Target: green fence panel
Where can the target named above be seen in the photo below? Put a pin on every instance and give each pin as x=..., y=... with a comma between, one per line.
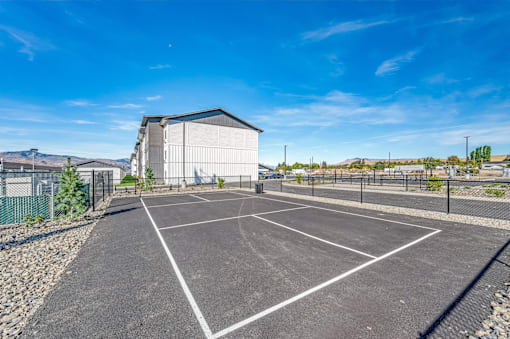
x=14, y=209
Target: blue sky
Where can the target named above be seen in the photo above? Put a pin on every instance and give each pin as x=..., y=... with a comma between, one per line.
x=333, y=80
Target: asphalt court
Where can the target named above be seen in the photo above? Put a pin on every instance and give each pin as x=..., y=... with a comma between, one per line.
x=241, y=257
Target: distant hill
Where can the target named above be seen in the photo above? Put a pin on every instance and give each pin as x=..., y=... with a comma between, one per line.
x=53, y=160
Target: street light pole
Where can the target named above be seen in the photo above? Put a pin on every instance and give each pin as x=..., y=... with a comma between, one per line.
x=467, y=168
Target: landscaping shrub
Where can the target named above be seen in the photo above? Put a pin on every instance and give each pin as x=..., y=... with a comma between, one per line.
x=299, y=178
x=497, y=193
x=435, y=183
x=221, y=182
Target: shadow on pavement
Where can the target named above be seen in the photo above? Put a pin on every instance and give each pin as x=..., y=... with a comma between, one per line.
x=448, y=310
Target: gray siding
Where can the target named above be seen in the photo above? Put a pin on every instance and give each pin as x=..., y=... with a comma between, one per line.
x=214, y=118
x=155, y=148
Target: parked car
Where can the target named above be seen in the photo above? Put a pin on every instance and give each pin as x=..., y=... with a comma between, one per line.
x=275, y=176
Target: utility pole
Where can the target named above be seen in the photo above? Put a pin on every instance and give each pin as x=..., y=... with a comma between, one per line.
x=285, y=161
x=467, y=167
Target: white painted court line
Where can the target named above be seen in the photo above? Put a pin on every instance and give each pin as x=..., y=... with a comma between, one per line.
x=315, y=289
x=343, y=212
x=199, y=197
x=198, y=202
x=316, y=238
x=166, y=195
x=230, y=218
x=187, y=292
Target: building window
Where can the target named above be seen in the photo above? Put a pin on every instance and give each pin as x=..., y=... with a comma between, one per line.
x=165, y=134
x=164, y=155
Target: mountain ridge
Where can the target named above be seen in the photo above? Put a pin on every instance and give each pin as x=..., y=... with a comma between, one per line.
x=56, y=160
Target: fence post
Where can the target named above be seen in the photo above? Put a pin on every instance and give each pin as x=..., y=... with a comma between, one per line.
x=93, y=191
x=102, y=180
x=335, y=178
x=240, y=181
x=313, y=179
x=407, y=182
x=448, y=196
x=108, y=182
x=52, y=204
x=250, y=181
x=361, y=189
x=281, y=185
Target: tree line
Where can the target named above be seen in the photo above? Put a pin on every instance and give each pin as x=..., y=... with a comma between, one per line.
x=482, y=153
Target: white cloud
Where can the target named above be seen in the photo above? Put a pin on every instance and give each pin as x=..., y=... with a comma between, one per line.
x=159, y=66
x=126, y=125
x=29, y=41
x=440, y=78
x=481, y=133
x=343, y=27
x=153, y=98
x=338, y=65
x=482, y=90
x=392, y=65
x=333, y=109
x=126, y=106
x=84, y=122
x=454, y=20
x=79, y=103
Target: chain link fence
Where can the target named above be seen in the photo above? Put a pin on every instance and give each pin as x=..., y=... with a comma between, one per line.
x=33, y=194
x=138, y=186
x=481, y=198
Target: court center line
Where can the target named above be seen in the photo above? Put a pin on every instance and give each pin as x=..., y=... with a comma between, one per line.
x=344, y=212
x=316, y=288
x=198, y=202
x=199, y=197
x=316, y=238
x=198, y=314
x=230, y=218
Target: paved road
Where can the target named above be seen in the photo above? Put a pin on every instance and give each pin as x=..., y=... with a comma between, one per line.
x=122, y=284
x=488, y=209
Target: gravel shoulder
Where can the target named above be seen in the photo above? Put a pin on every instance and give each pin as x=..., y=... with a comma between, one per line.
x=33, y=259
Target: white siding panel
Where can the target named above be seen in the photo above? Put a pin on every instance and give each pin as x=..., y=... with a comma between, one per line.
x=212, y=151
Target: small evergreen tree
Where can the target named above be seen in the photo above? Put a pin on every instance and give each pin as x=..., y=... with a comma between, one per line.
x=71, y=198
x=149, y=178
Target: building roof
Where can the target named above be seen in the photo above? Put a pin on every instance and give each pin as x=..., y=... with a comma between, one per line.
x=28, y=167
x=90, y=163
x=146, y=118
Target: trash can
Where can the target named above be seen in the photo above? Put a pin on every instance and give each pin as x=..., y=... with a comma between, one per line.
x=259, y=187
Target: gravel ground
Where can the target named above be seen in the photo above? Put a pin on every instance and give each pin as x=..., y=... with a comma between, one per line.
x=33, y=258
x=498, y=324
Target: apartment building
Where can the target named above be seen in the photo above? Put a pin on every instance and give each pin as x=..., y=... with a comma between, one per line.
x=195, y=147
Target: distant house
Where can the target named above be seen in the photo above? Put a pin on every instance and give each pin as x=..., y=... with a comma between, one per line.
x=96, y=165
